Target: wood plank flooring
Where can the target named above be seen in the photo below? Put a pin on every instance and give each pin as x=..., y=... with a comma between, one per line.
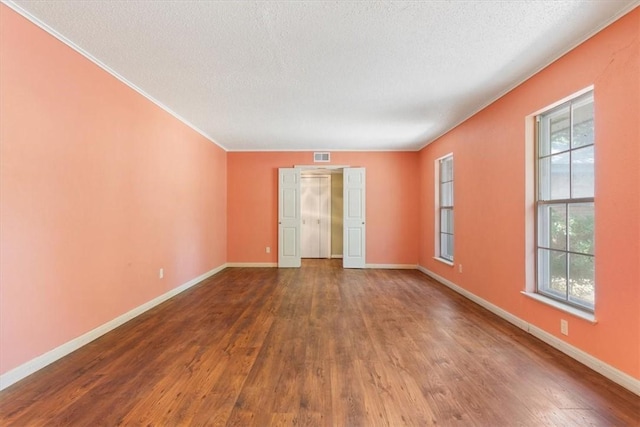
x=317, y=346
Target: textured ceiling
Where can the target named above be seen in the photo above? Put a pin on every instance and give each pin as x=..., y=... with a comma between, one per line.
x=296, y=75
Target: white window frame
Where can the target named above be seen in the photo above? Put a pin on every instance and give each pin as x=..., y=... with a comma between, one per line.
x=438, y=209
x=541, y=294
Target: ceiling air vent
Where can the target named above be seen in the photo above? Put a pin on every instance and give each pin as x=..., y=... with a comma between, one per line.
x=321, y=157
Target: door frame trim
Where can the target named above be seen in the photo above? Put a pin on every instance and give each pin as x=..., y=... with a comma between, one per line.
x=321, y=167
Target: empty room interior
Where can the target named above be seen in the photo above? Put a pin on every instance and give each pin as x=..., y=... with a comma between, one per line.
x=320, y=213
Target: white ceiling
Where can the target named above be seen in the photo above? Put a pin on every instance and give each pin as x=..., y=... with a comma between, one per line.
x=297, y=75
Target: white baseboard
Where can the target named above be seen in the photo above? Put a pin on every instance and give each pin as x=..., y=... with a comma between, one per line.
x=252, y=264
x=625, y=380
x=392, y=266
x=33, y=365
x=336, y=256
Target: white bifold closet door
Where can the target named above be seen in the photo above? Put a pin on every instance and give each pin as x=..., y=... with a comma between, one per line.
x=315, y=199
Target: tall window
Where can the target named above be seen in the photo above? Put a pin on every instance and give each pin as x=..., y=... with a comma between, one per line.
x=565, y=203
x=445, y=208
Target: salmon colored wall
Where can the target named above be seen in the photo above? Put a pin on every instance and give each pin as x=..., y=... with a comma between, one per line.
x=100, y=188
x=490, y=197
x=392, y=211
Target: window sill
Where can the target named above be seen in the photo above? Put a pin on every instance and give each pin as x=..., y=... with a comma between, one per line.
x=589, y=317
x=444, y=261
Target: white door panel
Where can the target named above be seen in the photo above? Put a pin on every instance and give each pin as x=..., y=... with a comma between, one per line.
x=354, y=240
x=289, y=237
x=354, y=235
x=289, y=217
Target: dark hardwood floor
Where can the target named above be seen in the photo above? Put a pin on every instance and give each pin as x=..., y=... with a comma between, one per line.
x=318, y=345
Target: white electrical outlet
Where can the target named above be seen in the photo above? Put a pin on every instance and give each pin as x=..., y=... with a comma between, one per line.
x=460, y=268
x=268, y=250
x=564, y=327
x=161, y=273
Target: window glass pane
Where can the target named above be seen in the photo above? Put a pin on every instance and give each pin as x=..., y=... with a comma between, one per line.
x=582, y=128
x=582, y=172
x=543, y=136
x=559, y=130
x=446, y=169
x=544, y=179
x=553, y=174
x=581, y=231
x=446, y=220
x=446, y=246
x=581, y=280
x=544, y=269
x=552, y=226
x=552, y=272
x=446, y=194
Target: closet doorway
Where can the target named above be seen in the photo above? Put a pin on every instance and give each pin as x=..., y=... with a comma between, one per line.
x=347, y=221
x=315, y=210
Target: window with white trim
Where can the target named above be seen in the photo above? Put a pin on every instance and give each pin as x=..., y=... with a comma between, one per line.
x=444, y=238
x=565, y=261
